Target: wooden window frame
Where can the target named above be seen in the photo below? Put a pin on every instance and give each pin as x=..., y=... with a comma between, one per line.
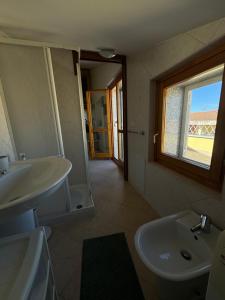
x=203, y=61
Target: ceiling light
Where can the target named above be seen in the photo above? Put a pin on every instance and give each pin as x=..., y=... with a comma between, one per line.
x=107, y=52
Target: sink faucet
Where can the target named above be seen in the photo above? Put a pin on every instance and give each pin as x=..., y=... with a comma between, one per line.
x=204, y=225
x=22, y=156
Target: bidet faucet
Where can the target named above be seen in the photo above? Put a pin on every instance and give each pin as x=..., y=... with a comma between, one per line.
x=204, y=225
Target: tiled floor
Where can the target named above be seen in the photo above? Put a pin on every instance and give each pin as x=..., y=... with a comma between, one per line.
x=118, y=209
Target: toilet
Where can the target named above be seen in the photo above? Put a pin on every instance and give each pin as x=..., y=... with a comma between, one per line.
x=216, y=285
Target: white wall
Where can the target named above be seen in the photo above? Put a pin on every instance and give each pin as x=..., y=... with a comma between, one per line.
x=70, y=113
x=25, y=83
x=166, y=190
x=103, y=75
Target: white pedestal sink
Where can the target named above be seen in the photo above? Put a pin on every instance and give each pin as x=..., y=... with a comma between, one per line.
x=175, y=254
x=24, y=186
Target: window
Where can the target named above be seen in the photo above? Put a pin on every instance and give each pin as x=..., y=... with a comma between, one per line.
x=191, y=109
x=190, y=131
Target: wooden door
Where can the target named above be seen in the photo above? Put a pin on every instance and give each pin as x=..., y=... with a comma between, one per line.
x=99, y=121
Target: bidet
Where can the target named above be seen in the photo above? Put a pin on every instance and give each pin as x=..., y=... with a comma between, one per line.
x=181, y=259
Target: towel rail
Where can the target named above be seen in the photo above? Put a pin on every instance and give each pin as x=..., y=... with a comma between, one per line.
x=141, y=132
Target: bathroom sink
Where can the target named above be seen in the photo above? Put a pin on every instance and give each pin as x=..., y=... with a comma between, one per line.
x=29, y=181
x=170, y=250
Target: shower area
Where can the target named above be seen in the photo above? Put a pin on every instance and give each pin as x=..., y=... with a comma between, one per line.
x=68, y=87
x=44, y=114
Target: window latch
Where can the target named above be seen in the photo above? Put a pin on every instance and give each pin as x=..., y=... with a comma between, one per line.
x=155, y=137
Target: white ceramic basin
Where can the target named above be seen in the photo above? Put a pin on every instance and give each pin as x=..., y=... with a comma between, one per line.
x=163, y=243
x=29, y=181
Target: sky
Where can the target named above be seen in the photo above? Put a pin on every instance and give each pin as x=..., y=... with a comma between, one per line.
x=206, y=98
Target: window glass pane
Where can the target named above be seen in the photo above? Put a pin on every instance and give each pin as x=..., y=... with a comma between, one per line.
x=190, y=117
x=173, y=113
x=202, y=119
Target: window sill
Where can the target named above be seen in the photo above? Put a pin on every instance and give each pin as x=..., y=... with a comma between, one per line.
x=192, y=171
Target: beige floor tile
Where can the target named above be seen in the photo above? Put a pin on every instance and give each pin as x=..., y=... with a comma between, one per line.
x=119, y=208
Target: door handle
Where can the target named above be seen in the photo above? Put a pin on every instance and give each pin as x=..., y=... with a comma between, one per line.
x=155, y=138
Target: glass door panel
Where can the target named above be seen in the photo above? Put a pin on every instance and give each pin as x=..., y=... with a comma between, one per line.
x=120, y=105
x=117, y=122
x=121, y=149
x=120, y=120
x=99, y=121
x=101, y=144
x=99, y=111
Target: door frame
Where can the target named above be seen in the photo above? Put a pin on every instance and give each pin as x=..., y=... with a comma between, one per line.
x=93, y=154
x=119, y=59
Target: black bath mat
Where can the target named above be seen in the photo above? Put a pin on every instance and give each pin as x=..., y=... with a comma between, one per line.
x=108, y=272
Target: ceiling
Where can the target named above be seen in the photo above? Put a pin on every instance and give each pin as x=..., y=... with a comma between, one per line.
x=127, y=26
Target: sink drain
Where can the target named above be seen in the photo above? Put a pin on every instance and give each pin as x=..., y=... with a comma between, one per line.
x=79, y=206
x=185, y=254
